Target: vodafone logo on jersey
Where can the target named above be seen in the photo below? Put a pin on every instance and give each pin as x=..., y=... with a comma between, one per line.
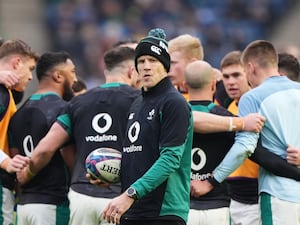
x=199, y=160
x=133, y=135
x=201, y=154
x=102, y=123
x=106, y=126
x=133, y=132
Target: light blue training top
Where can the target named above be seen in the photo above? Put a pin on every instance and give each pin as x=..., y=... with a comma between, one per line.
x=278, y=100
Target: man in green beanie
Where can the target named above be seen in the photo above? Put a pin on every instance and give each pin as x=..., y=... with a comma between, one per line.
x=156, y=157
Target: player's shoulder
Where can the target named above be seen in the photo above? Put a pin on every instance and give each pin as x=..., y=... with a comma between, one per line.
x=130, y=91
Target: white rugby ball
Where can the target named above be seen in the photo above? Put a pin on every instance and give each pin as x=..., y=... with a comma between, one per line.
x=104, y=164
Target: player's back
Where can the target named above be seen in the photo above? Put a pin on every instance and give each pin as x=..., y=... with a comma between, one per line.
x=277, y=98
x=27, y=127
x=208, y=151
x=98, y=119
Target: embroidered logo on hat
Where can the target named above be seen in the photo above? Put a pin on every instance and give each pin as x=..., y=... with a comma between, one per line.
x=155, y=49
x=155, y=45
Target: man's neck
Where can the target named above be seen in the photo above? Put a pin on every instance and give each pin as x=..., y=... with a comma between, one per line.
x=200, y=95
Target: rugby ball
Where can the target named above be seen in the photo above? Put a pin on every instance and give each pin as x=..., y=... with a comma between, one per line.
x=104, y=164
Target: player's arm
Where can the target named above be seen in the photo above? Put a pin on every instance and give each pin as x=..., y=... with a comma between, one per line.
x=210, y=123
x=274, y=163
x=43, y=152
x=68, y=153
x=244, y=145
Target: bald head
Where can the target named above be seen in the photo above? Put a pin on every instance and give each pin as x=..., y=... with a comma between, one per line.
x=217, y=74
x=198, y=74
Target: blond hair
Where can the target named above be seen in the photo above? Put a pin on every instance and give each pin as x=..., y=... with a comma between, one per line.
x=190, y=46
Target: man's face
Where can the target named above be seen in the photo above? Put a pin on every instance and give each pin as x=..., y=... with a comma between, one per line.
x=178, y=64
x=68, y=71
x=151, y=71
x=235, y=81
x=24, y=71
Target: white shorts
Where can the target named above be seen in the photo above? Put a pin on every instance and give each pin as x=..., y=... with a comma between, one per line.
x=278, y=212
x=7, y=206
x=218, y=216
x=244, y=214
x=43, y=214
x=86, y=209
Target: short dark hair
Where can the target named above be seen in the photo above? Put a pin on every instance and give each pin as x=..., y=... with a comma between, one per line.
x=11, y=47
x=231, y=58
x=117, y=55
x=79, y=85
x=290, y=64
x=48, y=61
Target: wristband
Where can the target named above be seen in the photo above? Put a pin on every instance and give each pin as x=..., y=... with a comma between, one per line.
x=30, y=173
x=232, y=127
x=236, y=124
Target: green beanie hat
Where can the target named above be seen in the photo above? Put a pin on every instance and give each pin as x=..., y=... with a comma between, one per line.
x=155, y=45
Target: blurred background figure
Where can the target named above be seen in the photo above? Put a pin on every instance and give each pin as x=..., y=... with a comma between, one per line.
x=288, y=65
x=79, y=87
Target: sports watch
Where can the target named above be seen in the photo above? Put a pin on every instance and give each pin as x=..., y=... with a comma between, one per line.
x=131, y=193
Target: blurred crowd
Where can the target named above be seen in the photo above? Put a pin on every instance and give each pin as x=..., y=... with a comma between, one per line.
x=87, y=28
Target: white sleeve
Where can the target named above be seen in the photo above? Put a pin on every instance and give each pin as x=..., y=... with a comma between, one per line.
x=3, y=156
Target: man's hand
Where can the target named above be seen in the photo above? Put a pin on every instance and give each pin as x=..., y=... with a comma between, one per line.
x=116, y=208
x=24, y=175
x=199, y=188
x=254, y=122
x=97, y=182
x=8, y=78
x=15, y=164
x=293, y=155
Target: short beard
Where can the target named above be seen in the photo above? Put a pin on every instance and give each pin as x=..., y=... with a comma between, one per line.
x=68, y=91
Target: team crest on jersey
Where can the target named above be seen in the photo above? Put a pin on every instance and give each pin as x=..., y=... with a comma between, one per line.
x=151, y=114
